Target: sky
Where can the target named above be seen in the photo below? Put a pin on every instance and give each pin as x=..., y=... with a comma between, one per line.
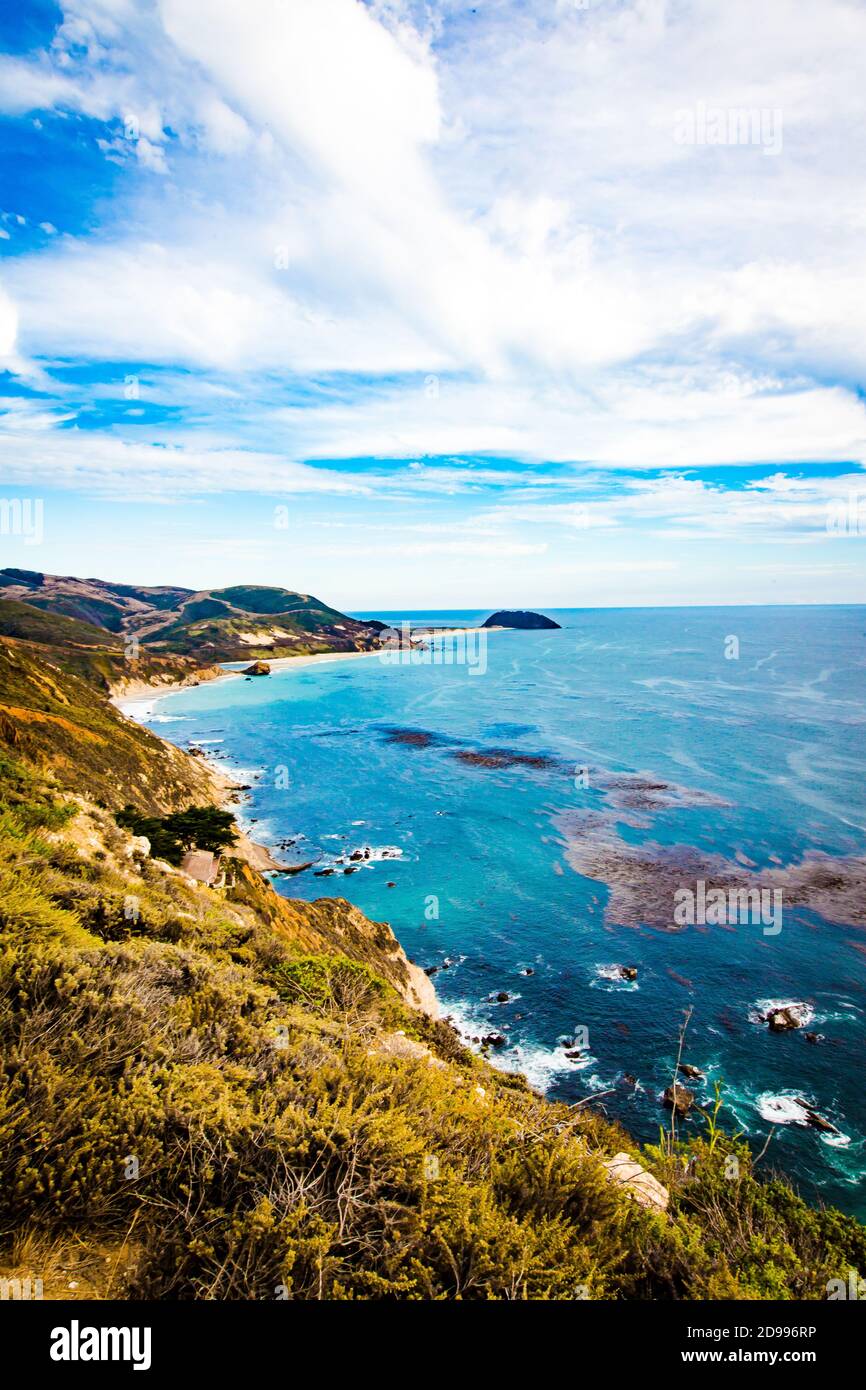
x=415, y=305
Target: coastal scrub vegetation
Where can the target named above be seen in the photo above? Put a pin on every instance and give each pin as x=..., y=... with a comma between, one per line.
x=208, y=1098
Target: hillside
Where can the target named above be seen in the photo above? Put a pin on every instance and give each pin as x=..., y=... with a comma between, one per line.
x=210, y=625
x=221, y=1093
x=99, y=657
x=114, y=607
x=56, y=721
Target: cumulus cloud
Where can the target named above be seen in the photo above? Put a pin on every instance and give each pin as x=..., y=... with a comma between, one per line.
x=495, y=200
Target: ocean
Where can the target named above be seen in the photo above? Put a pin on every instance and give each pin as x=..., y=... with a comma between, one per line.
x=534, y=814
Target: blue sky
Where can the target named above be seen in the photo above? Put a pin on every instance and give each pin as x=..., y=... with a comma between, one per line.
x=434, y=304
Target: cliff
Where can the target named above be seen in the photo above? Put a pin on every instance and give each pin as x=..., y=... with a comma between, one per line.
x=221, y=1093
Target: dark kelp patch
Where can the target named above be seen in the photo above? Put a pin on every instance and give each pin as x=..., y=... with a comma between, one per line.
x=644, y=879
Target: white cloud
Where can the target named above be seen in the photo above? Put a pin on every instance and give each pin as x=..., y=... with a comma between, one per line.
x=496, y=199
x=775, y=508
x=35, y=451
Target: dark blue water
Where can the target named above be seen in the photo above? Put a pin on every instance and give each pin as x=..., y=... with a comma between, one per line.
x=483, y=877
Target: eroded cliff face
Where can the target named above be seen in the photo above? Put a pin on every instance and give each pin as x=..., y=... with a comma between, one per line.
x=335, y=925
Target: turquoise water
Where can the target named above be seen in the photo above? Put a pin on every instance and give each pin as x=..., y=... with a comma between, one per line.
x=355, y=754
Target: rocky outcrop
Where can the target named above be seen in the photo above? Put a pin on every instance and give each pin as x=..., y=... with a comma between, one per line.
x=782, y=1020
x=335, y=924
x=646, y=1190
x=527, y=622
x=258, y=668
x=201, y=865
x=679, y=1098
x=813, y=1118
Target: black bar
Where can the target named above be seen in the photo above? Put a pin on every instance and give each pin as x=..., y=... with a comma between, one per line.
x=294, y=1338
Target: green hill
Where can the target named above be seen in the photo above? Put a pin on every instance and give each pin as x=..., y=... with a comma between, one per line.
x=227, y=624
x=249, y=620
x=51, y=627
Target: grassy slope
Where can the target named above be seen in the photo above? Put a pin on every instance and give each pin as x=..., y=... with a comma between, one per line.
x=58, y=723
x=212, y=1095
x=216, y=625
x=93, y=653
x=208, y=626
x=24, y=621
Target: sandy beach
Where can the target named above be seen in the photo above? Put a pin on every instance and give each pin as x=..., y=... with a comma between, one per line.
x=137, y=698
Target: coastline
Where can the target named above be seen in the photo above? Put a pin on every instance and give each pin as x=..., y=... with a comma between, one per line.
x=137, y=700
x=144, y=694
x=420, y=990
x=141, y=695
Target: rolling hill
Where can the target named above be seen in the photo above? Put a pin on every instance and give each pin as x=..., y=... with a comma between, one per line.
x=208, y=625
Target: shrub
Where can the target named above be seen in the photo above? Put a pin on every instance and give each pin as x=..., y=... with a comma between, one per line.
x=198, y=827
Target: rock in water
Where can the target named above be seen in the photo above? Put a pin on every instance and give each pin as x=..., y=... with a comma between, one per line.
x=258, y=668
x=518, y=619
x=814, y=1119
x=628, y=972
x=694, y=1073
x=680, y=1099
x=782, y=1020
